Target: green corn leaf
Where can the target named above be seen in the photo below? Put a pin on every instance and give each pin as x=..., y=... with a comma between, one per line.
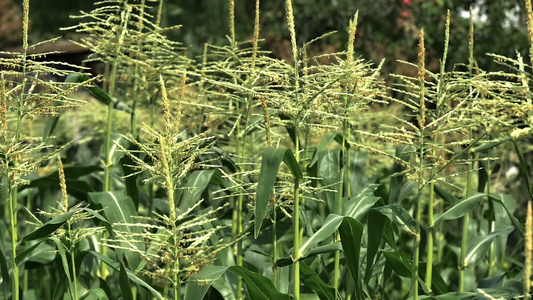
x=98, y=216
x=376, y=225
x=124, y=283
x=37, y=254
x=489, y=145
x=396, y=181
x=49, y=227
x=523, y=168
x=64, y=263
x=445, y=195
x=6, y=278
x=399, y=262
x=457, y=296
x=199, y=283
x=326, y=140
x=120, y=209
x=116, y=266
x=195, y=185
x=479, y=247
x=399, y=216
x=115, y=152
x=351, y=233
x=312, y=281
x=331, y=247
x=328, y=171
x=95, y=294
x=259, y=287
x=130, y=172
x=100, y=94
x=500, y=199
x=272, y=158
x=22, y=255
x=460, y=209
x=329, y=227
x=358, y=206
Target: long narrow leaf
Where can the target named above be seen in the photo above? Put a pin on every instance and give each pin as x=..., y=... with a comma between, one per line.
x=272, y=158
x=351, y=233
x=259, y=287
x=311, y=280
x=330, y=226
x=479, y=248
x=460, y=209
x=49, y=227
x=124, y=283
x=199, y=283
x=399, y=216
x=399, y=263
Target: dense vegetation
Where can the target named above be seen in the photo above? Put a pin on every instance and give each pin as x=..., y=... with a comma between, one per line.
x=238, y=175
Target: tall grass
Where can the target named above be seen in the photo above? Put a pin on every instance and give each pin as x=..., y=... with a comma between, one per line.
x=241, y=176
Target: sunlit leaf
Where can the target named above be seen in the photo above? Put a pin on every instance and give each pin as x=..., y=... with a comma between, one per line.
x=329, y=227
x=479, y=247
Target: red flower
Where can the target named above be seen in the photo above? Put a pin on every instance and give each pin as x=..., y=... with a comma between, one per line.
x=406, y=2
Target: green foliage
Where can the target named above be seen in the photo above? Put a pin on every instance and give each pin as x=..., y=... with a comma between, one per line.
x=175, y=187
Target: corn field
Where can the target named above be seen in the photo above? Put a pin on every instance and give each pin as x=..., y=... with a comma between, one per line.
x=237, y=175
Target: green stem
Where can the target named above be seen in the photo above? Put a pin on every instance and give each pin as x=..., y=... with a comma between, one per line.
x=73, y=262
x=296, y=258
x=14, y=239
x=491, y=224
x=296, y=216
x=416, y=255
x=431, y=236
x=466, y=218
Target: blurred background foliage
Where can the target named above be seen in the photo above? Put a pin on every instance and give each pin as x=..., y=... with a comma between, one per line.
x=387, y=28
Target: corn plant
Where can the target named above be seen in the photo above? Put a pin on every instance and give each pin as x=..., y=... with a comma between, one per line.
x=237, y=175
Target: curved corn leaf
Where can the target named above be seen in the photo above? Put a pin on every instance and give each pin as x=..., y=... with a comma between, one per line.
x=376, y=226
x=311, y=280
x=331, y=247
x=329, y=227
x=523, y=168
x=329, y=170
x=49, y=227
x=6, y=279
x=115, y=266
x=120, y=209
x=358, y=206
x=460, y=209
x=499, y=198
x=259, y=287
x=477, y=250
x=399, y=216
x=100, y=94
x=326, y=140
x=64, y=263
x=272, y=158
x=199, y=283
x=399, y=263
x=95, y=294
